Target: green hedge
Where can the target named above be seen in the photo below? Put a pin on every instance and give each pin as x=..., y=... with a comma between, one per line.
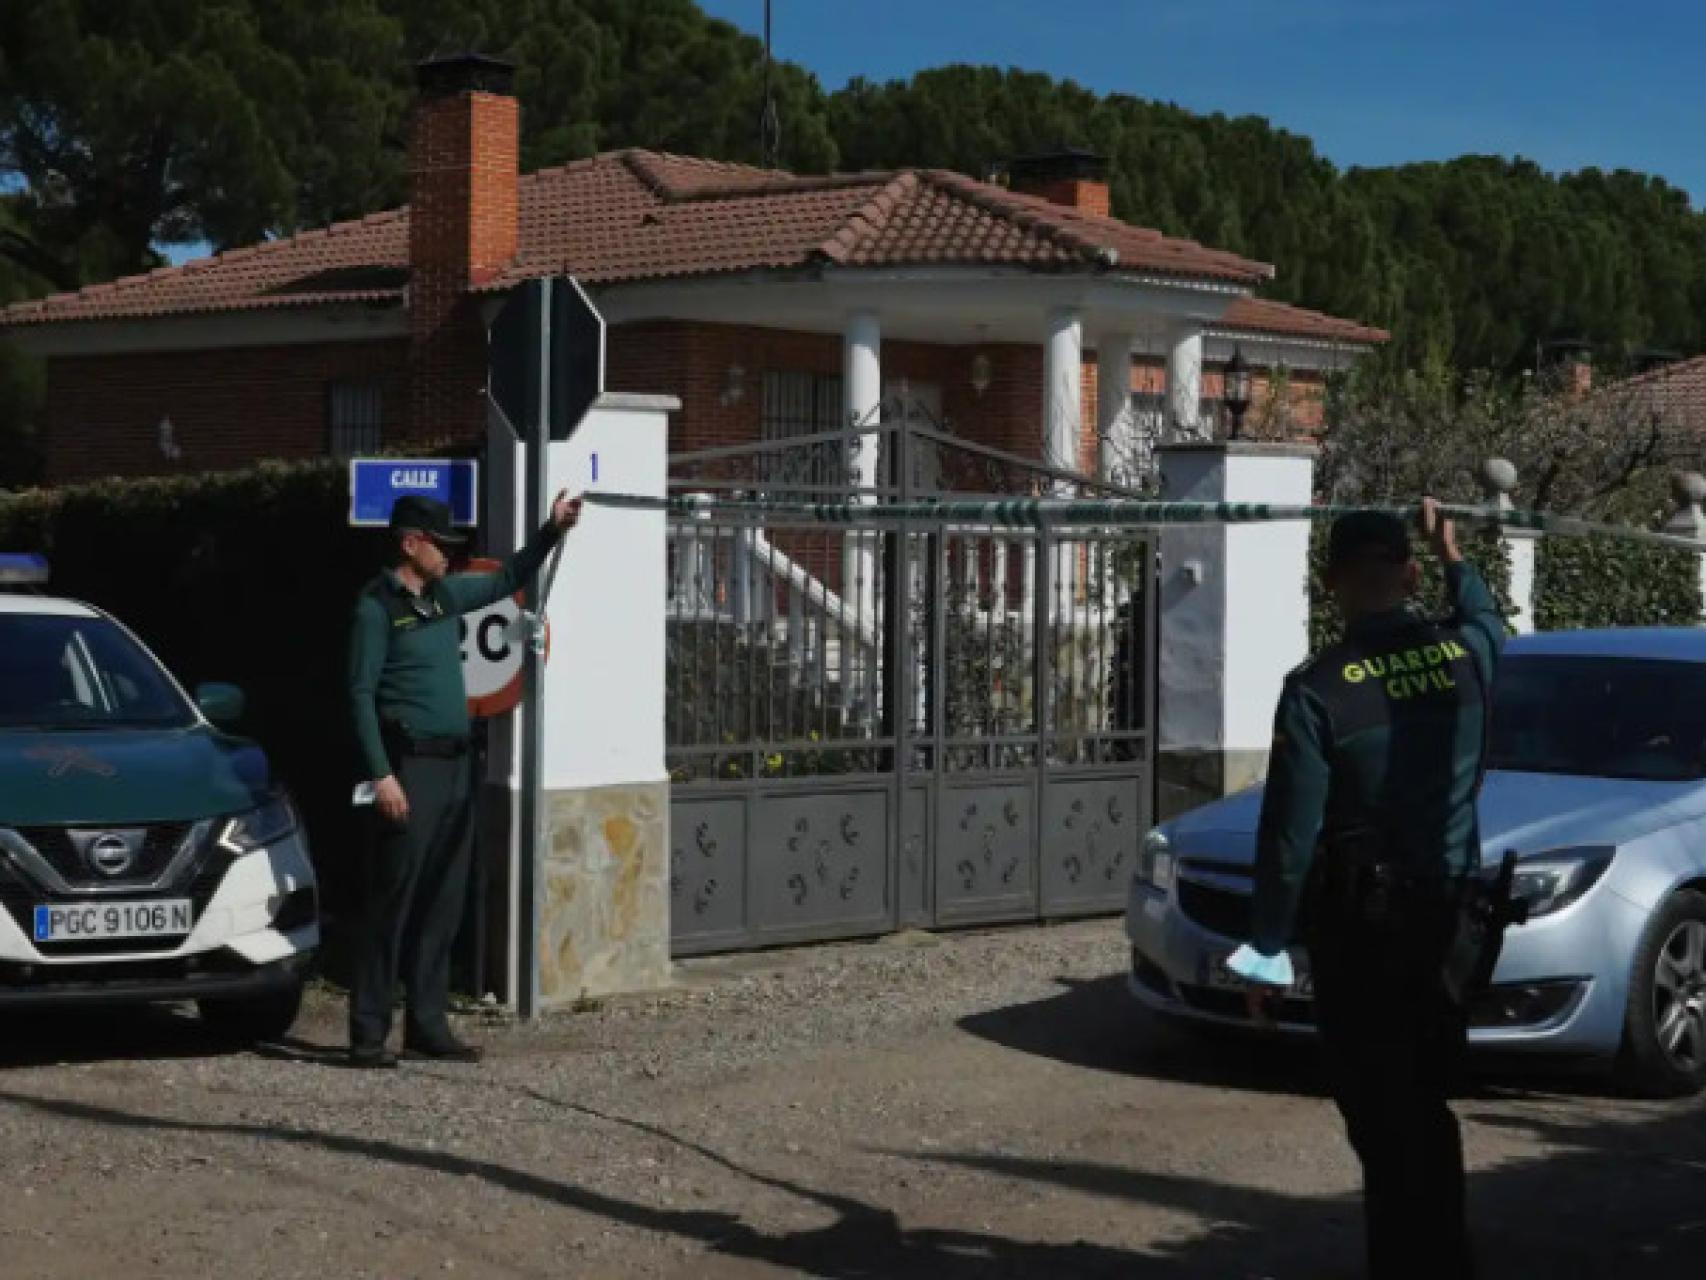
x=1600, y=582
x=247, y=577
x=1485, y=549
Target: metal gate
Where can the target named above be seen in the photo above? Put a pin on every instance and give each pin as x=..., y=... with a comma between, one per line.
x=927, y=724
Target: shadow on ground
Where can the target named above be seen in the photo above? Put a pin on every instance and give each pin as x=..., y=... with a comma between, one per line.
x=1624, y=1199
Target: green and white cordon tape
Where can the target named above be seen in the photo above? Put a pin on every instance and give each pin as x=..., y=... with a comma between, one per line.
x=1103, y=513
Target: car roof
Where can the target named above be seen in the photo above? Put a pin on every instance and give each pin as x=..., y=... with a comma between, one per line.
x=1670, y=644
x=44, y=606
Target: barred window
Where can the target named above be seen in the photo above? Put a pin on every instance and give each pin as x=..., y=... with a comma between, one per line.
x=802, y=404
x=354, y=418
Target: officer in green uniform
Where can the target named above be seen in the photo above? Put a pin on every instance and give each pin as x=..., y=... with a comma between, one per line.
x=1370, y=803
x=410, y=712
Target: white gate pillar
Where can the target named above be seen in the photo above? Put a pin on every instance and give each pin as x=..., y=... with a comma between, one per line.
x=1234, y=617
x=1499, y=481
x=602, y=877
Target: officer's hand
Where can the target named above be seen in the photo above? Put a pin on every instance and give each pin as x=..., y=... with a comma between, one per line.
x=390, y=800
x=1262, y=1001
x=565, y=512
x=1440, y=532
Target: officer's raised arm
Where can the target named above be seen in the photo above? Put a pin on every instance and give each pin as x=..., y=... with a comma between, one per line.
x=470, y=591
x=1293, y=807
x=1474, y=610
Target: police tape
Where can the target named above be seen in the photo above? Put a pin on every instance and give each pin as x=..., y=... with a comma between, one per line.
x=1104, y=514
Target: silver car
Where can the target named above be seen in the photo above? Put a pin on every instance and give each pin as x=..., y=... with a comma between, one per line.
x=1597, y=781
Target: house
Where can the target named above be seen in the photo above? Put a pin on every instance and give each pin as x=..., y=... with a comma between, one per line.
x=1024, y=317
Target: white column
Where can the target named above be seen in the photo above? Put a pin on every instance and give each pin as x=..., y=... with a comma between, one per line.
x=1498, y=481
x=1521, y=546
x=1688, y=489
x=1234, y=617
x=1063, y=389
x=1184, y=384
x=862, y=399
x=862, y=385
x=1116, y=440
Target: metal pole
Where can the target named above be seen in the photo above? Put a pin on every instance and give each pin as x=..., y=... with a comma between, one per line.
x=533, y=825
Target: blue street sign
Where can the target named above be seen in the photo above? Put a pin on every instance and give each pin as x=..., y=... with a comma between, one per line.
x=375, y=484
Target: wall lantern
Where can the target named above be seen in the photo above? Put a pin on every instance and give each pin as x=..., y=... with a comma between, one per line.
x=982, y=374
x=734, y=386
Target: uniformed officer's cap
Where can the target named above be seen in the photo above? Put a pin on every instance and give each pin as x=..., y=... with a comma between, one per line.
x=1368, y=535
x=419, y=514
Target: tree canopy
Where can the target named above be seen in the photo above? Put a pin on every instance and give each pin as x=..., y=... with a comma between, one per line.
x=128, y=126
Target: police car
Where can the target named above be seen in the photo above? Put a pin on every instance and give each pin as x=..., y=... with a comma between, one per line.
x=145, y=853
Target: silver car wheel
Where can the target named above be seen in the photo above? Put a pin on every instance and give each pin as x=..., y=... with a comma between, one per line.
x=1679, y=996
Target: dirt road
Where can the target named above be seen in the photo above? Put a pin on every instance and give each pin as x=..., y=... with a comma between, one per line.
x=979, y=1105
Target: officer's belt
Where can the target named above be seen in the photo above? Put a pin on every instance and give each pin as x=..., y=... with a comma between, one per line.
x=407, y=744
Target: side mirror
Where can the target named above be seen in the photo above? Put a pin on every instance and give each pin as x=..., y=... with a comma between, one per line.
x=222, y=704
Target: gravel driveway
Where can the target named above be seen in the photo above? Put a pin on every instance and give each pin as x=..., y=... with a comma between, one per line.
x=974, y=1105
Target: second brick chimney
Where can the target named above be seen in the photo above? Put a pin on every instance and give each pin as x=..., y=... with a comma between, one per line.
x=464, y=228
x=1070, y=176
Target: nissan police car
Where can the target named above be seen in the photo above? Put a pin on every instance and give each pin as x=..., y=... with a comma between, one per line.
x=146, y=854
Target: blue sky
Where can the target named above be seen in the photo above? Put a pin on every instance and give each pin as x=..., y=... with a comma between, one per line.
x=1566, y=83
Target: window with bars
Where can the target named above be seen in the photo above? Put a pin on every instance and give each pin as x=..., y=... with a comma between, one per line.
x=354, y=418
x=802, y=404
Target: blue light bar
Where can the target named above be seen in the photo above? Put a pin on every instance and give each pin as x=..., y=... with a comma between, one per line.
x=22, y=569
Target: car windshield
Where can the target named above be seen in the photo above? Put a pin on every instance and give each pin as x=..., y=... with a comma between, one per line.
x=81, y=673
x=1634, y=718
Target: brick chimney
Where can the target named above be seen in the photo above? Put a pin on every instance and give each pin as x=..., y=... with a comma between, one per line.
x=1069, y=176
x=464, y=228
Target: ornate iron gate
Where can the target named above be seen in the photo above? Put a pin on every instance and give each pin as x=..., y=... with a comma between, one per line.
x=929, y=724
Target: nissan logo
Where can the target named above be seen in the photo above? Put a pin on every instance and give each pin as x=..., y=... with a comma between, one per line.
x=110, y=854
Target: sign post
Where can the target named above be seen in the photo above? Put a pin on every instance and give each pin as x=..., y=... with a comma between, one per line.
x=546, y=370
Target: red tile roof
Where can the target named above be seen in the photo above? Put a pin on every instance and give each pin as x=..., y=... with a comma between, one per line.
x=636, y=215
x=1259, y=316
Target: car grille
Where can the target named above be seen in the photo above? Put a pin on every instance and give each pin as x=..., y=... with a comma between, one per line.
x=198, y=882
x=1222, y=911
x=54, y=844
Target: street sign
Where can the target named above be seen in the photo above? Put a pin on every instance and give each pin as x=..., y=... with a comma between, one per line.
x=494, y=651
x=375, y=484
x=549, y=322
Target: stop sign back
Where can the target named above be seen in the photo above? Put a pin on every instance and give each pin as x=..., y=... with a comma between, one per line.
x=494, y=651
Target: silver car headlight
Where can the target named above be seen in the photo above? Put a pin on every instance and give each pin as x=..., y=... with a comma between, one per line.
x=1551, y=881
x=257, y=829
x=1155, y=861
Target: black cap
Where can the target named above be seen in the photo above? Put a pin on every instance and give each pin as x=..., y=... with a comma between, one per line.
x=425, y=515
x=1368, y=534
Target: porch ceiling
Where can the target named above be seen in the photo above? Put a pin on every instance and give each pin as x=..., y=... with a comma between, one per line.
x=944, y=305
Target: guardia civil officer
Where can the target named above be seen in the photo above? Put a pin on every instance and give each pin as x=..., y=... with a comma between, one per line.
x=1367, y=835
x=410, y=714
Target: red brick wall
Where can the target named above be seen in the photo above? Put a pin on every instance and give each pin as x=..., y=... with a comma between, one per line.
x=464, y=227
x=228, y=408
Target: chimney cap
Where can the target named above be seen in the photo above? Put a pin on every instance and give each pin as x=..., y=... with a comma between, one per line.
x=445, y=75
x=1061, y=164
x=1654, y=357
x=1573, y=350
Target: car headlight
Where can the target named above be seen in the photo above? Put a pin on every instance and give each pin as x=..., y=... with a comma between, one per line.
x=1155, y=862
x=1551, y=881
x=258, y=828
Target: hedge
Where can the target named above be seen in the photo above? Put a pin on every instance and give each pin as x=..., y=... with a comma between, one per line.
x=1600, y=582
x=247, y=577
